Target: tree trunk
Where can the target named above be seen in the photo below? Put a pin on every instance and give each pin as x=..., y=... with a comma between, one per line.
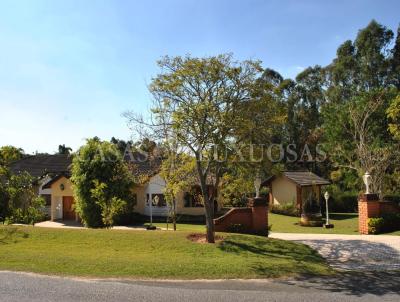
x=209, y=209
x=209, y=223
x=174, y=214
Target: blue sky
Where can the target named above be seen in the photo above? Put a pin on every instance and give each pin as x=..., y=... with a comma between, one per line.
x=68, y=69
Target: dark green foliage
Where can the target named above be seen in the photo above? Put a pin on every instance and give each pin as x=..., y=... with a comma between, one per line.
x=121, y=144
x=3, y=195
x=19, y=202
x=392, y=222
x=236, y=228
x=375, y=225
x=101, y=163
x=311, y=205
x=62, y=149
x=387, y=223
x=287, y=209
x=395, y=63
x=394, y=198
x=9, y=154
x=239, y=228
x=343, y=203
x=359, y=89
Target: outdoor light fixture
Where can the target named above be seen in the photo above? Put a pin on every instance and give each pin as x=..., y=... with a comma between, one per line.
x=62, y=187
x=327, y=225
x=367, y=182
x=257, y=184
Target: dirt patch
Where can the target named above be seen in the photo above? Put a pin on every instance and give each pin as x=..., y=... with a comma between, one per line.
x=201, y=238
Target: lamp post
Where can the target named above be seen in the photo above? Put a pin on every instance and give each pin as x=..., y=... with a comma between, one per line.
x=151, y=227
x=327, y=225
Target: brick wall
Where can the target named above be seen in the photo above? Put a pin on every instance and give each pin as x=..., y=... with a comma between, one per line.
x=254, y=218
x=369, y=206
x=241, y=216
x=389, y=207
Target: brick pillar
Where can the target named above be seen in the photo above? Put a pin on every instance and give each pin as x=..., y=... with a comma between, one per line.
x=259, y=211
x=368, y=207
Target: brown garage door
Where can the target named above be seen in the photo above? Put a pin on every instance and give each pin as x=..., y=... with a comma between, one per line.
x=68, y=212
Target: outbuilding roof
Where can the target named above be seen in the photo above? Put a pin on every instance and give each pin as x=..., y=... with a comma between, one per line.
x=301, y=178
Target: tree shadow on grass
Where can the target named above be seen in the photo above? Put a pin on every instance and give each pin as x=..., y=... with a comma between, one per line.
x=11, y=235
x=268, y=247
x=342, y=216
x=357, y=255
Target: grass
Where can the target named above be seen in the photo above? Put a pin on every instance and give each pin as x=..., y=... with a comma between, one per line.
x=181, y=226
x=345, y=223
x=152, y=254
x=397, y=233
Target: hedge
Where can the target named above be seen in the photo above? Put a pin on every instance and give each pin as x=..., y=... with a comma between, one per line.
x=343, y=203
x=386, y=223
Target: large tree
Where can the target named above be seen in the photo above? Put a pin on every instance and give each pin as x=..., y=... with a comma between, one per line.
x=9, y=154
x=393, y=113
x=203, y=99
x=360, y=86
x=102, y=183
x=62, y=149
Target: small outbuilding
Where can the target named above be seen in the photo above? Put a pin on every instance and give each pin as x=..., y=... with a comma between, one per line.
x=294, y=188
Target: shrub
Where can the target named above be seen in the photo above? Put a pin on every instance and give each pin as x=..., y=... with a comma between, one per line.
x=375, y=225
x=288, y=209
x=236, y=228
x=387, y=223
x=391, y=222
x=34, y=213
x=19, y=200
x=240, y=228
x=343, y=203
x=111, y=207
x=98, y=163
x=394, y=198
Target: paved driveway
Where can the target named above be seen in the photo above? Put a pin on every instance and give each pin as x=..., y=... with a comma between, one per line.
x=353, y=252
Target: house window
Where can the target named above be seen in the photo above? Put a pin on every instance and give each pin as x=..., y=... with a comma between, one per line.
x=160, y=202
x=47, y=198
x=193, y=199
x=134, y=199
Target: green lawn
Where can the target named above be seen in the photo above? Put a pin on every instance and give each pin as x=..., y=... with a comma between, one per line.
x=397, y=233
x=152, y=254
x=345, y=223
x=181, y=226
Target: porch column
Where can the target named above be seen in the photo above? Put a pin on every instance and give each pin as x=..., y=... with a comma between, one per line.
x=53, y=208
